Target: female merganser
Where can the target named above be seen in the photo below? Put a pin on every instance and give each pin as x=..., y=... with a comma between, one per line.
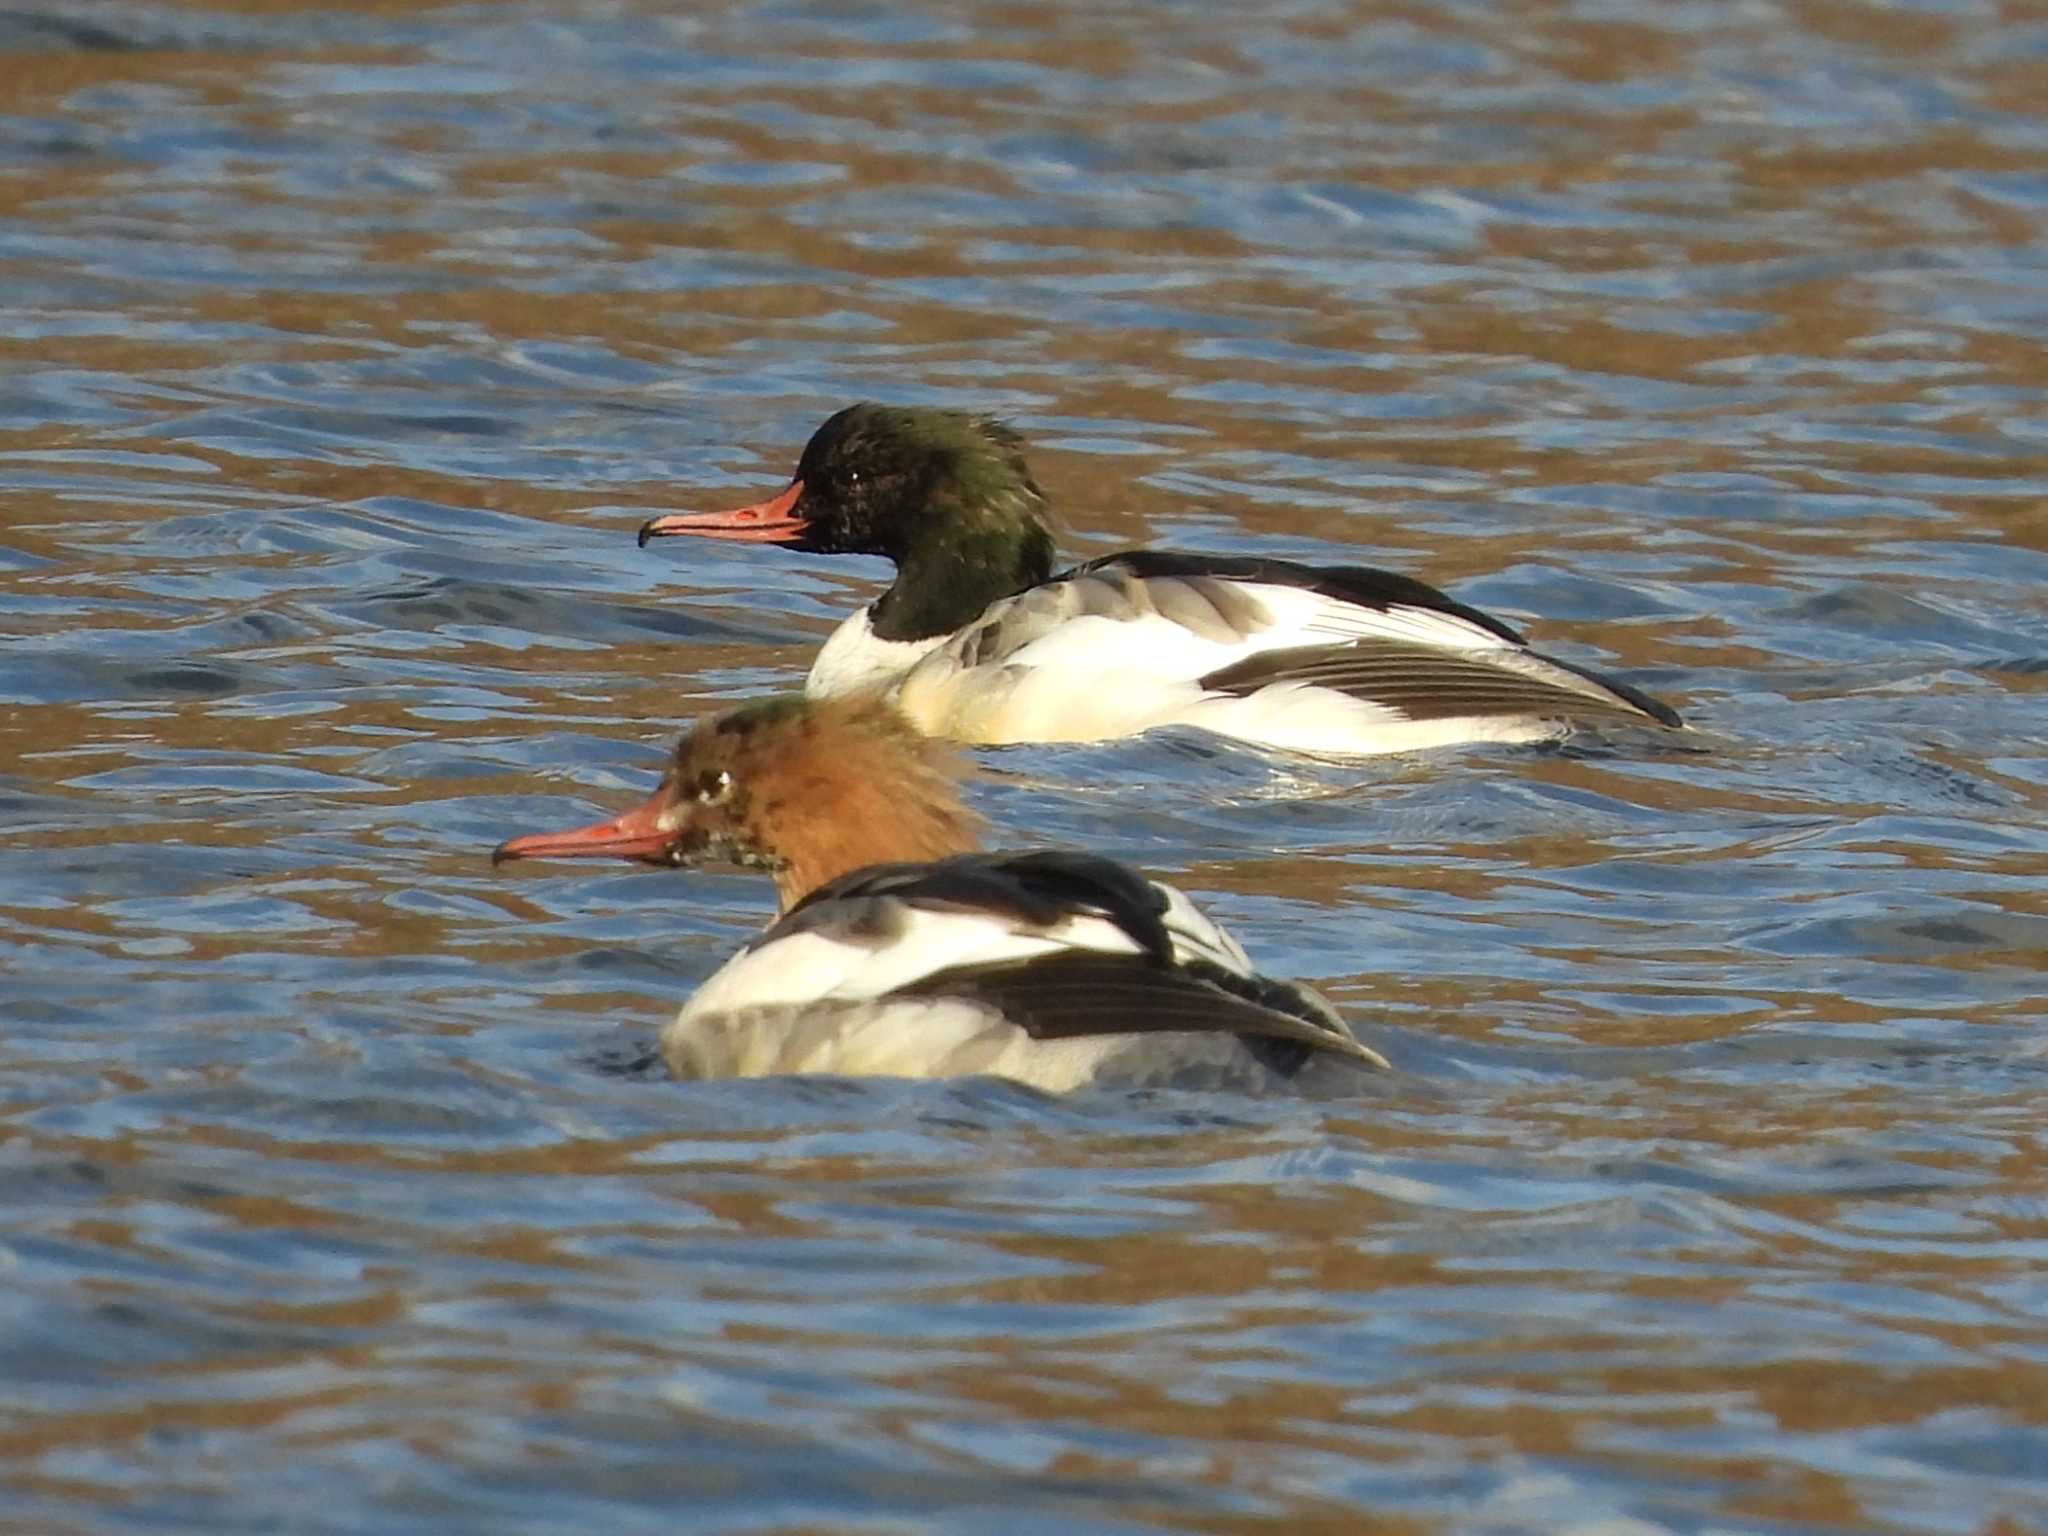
x=979, y=641
x=1055, y=969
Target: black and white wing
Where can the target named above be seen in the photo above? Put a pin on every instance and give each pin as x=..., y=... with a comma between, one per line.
x=1311, y=658
x=1064, y=947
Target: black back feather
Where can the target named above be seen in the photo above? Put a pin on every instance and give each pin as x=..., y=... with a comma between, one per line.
x=1076, y=995
x=1039, y=888
x=1361, y=584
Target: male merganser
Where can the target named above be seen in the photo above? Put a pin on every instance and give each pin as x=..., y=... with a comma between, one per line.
x=979, y=641
x=1052, y=968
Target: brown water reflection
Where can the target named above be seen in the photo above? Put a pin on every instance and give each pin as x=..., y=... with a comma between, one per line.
x=343, y=348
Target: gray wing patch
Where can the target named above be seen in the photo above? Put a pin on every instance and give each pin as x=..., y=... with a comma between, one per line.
x=1425, y=683
x=1205, y=606
x=864, y=921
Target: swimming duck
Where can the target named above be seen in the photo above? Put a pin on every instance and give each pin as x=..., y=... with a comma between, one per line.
x=901, y=951
x=978, y=640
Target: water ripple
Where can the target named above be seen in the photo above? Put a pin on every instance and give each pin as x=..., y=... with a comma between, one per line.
x=346, y=348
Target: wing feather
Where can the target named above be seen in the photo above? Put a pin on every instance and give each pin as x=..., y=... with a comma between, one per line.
x=1424, y=683
x=1075, y=995
x=1360, y=586
x=1066, y=945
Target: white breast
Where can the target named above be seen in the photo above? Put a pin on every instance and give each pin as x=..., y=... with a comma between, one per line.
x=854, y=659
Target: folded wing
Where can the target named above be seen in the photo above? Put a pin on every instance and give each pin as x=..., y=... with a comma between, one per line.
x=1063, y=946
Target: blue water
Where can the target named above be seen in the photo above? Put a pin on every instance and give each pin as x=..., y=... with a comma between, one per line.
x=343, y=350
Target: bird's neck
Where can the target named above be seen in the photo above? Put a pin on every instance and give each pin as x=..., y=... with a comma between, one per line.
x=868, y=801
x=963, y=564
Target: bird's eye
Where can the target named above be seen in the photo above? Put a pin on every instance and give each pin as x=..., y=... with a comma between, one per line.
x=714, y=787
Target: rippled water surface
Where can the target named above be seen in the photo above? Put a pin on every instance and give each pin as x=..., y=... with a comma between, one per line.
x=343, y=348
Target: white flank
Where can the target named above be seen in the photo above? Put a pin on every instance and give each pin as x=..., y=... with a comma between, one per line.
x=890, y=1037
x=1103, y=655
x=999, y=705
x=1307, y=618
x=1148, y=644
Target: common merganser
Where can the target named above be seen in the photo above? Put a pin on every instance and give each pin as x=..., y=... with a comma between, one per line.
x=978, y=640
x=1056, y=969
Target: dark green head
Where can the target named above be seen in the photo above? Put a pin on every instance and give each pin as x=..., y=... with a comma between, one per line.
x=895, y=481
x=882, y=480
